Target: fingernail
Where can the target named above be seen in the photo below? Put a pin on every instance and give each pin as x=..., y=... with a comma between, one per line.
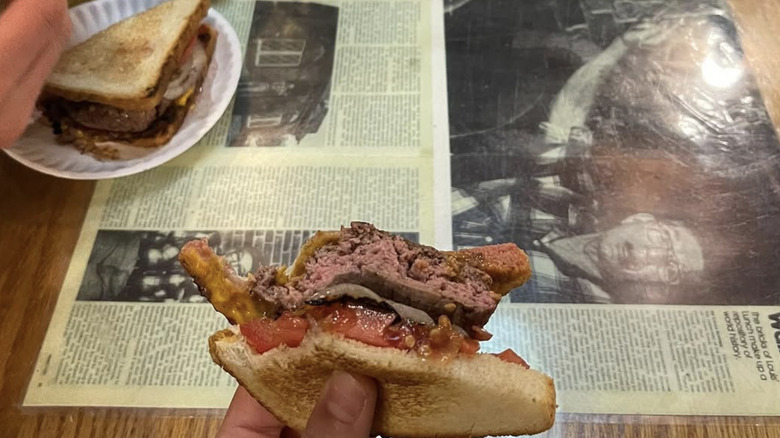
x=346, y=397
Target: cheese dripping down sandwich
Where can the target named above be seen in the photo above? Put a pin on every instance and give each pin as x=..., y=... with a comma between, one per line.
x=373, y=303
x=132, y=83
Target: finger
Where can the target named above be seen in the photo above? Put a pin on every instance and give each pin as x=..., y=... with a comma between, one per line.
x=16, y=108
x=345, y=408
x=28, y=28
x=245, y=418
x=289, y=433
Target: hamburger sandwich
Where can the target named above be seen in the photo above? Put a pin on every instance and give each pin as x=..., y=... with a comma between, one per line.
x=132, y=83
x=372, y=303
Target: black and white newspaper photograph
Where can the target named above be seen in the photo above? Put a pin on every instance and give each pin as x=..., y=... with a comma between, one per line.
x=629, y=148
x=284, y=91
x=143, y=266
x=624, y=145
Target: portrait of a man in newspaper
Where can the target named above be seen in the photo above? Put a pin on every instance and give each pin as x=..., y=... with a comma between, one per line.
x=647, y=257
x=636, y=168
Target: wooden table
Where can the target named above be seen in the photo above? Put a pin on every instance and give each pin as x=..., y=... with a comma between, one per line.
x=40, y=219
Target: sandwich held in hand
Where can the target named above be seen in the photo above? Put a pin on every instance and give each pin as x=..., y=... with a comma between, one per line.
x=132, y=83
x=368, y=302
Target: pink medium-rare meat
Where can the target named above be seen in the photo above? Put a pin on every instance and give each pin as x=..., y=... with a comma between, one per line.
x=464, y=285
x=436, y=282
x=402, y=271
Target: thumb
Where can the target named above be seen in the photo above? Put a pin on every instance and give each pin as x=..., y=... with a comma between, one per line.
x=345, y=408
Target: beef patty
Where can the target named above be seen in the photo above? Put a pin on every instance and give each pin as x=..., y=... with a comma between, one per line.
x=439, y=283
x=108, y=118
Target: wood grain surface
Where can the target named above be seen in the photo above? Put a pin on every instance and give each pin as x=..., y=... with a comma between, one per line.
x=40, y=219
x=757, y=22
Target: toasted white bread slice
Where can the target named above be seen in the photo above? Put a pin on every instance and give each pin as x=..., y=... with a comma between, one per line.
x=164, y=128
x=128, y=65
x=466, y=397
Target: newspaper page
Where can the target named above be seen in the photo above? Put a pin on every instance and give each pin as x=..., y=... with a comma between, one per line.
x=335, y=74
x=331, y=123
x=626, y=147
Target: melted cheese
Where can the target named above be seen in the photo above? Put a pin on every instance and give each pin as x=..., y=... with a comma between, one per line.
x=226, y=291
x=182, y=101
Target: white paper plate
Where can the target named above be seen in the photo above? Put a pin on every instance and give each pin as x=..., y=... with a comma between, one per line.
x=38, y=150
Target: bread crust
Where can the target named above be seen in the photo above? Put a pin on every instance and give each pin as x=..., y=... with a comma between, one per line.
x=157, y=137
x=467, y=397
x=163, y=129
x=152, y=96
x=164, y=136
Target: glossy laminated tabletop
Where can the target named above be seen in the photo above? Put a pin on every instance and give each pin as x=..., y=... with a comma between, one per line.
x=40, y=221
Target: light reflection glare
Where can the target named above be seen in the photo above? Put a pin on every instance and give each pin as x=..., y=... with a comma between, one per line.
x=717, y=75
x=691, y=128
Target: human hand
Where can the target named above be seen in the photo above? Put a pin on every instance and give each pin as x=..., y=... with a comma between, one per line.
x=33, y=34
x=345, y=410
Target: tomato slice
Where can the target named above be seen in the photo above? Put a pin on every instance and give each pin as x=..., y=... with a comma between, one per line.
x=510, y=356
x=369, y=326
x=265, y=334
x=469, y=347
x=358, y=323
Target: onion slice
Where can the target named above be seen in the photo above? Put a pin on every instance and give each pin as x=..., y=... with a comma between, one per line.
x=187, y=74
x=357, y=291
